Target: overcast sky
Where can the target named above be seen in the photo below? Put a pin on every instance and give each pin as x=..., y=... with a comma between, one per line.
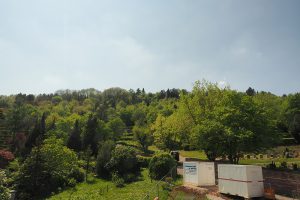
x=151, y=44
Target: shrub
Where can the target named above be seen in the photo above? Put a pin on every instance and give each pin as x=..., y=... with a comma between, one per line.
x=143, y=161
x=130, y=177
x=5, y=158
x=77, y=174
x=295, y=166
x=160, y=165
x=71, y=182
x=12, y=171
x=117, y=180
x=4, y=191
x=123, y=161
x=283, y=165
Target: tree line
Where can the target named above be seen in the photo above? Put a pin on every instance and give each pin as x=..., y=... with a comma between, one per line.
x=91, y=125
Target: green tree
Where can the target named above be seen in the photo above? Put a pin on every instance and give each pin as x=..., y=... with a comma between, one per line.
x=209, y=136
x=168, y=132
x=104, y=156
x=143, y=136
x=45, y=170
x=88, y=153
x=117, y=126
x=248, y=127
x=292, y=115
x=250, y=91
x=37, y=134
x=123, y=161
x=90, y=135
x=295, y=127
x=232, y=120
x=161, y=165
x=74, y=140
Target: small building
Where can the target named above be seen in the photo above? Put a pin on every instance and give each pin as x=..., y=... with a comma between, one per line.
x=241, y=180
x=199, y=173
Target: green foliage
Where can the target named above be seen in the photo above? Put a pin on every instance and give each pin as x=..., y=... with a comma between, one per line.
x=37, y=133
x=123, y=161
x=74, y=140
x=143, y=137
x=217, y=121
x=56, y=100
x=227, y=122
x=104, y=156
x=160, y=165
x=164, y=137
x=47, y=168
x=77, y=174
x=91, y=136
x=4, y=191
x=210, y=136
x=104, y=189
x=117, y=127
x=292, y=116
x=117, y=180
x=143, y=161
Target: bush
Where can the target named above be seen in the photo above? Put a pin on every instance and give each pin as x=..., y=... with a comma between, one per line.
x=4, y=191
x=123, y=161
x=283, y=165
x=117, y=180
x=71, y=182
x=12, y=171
x=128, y=178
x=143, y=161
x=5, y=158
x=295, y=166
x=160, y=165
x=77, y=174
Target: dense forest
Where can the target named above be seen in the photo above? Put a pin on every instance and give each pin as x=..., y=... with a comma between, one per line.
x=55, y=136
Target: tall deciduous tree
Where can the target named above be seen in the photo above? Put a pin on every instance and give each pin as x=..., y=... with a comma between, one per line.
x=117, y=126
x=292, y=116
x=143, y=136
x=227, y=120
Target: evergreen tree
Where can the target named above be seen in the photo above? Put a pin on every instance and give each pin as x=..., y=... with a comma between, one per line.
x=37, y=134
x=74, y=140
x=89, y=137
x=31, y=139
x=250, y=91
x=43, y=125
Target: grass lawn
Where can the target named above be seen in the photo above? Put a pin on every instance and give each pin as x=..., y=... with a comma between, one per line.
x=154, y=149
x=97, y=189
x=193, y=154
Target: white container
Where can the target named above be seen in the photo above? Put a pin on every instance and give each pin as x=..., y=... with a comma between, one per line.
x=199, y=173
x=241, y=180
